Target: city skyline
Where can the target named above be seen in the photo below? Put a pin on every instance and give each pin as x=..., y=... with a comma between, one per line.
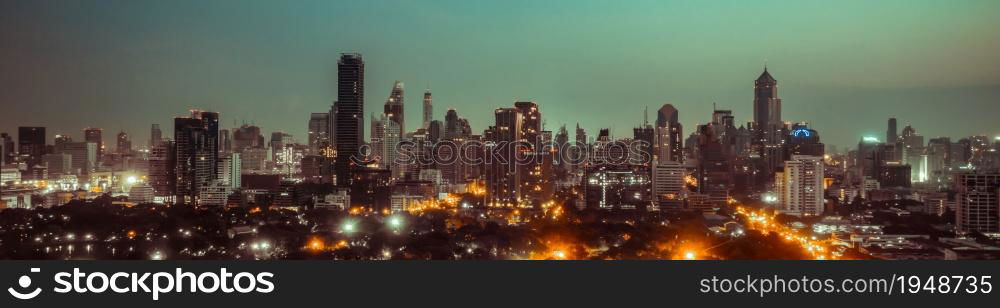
x=304, y=80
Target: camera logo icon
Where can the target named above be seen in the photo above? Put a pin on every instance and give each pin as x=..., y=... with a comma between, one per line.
x=25, y=282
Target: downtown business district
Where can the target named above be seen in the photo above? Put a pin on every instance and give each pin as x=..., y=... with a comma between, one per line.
x=768, y=189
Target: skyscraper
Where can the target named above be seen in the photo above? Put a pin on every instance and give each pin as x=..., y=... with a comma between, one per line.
x=7, y=151
x=95, y=135
x=503, y=180
x=31, y=142
x=349, y=114
x=428, y=109
x=123, y=144
x=197, y=154
x=247, y=136
x=318, y=138
x=394, y=106
x=668, y=143
x=891, y=134
x=766, y=107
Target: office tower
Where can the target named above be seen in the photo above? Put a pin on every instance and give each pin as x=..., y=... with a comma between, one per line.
x=95, y=135
x=225, y=141
x=84, y=157
x=7, y=154
x=766, y=107
x=644, y=138
x=279, y=140
x=435, y=131
x=123, y=144
x=31, y=142
x=892, y=134
x=318, y=125
x=196, y=140
x=800, y=186
x=230, y=171
x=252, y=159
x=913, y=153
x=452, y=125
x=162, y=176
x=428, y=109
x=715, y=173
x=978, y=201
x=394, y=106
x=391, y=136
x=58, y=163
x=668, y=143
x=247, y=136
x=535, y=172
x=60, y=142
x=349, y=114
x=503, y=180
x=668, y=185
x=376, y=139
x=155, y=135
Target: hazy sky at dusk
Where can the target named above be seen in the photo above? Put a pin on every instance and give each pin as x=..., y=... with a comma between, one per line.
x=843, y=66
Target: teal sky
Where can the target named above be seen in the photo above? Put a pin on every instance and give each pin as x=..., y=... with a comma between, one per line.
x=843, y=66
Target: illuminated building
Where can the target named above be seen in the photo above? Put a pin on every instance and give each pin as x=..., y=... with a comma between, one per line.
x=318, y=138
x=503, y=179
x=394, y=108
x=230, y=171
x=196, y=144
x=141, y=193
x=84, y=157
x=800, y=186
x=349, y=113
x=247, y=136
x=617, y=187
x=668, y=185
x=978, y=201
x=669, y=132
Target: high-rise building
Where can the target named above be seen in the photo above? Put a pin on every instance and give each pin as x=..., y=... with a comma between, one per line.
x=668, y=143
x=95, y=135
x=891, y=134
x=318, y=125
x=225, y=141
x=766, y=108
x=196, y=141
x=978, y=201
x=230, y=171
x=668, y=185
x=58, y=163
x=800, y=186
x=391, y=136
x=31, y=142
x=123, y=144
x=349, y=113
x=394, y=110
x=7, y=152
x=428, y=109
x=84, y=157
x=155, y=135
x=162, y=175
x=247, y=136
x=503, y=181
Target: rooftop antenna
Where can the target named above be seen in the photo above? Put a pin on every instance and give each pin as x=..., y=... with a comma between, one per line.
x=645, y=116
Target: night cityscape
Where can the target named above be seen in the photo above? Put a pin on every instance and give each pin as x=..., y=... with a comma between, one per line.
x=387, y=169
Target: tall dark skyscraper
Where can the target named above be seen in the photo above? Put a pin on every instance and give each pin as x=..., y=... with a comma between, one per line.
x=766, y=107
x=95, y=135
x=7, y=154
x=31, y=142
x=428, y=109
x=349, y=128
x=892, y=134
x=503, y=178
x=394, y=106
x=123, y=143
x=196, y=153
